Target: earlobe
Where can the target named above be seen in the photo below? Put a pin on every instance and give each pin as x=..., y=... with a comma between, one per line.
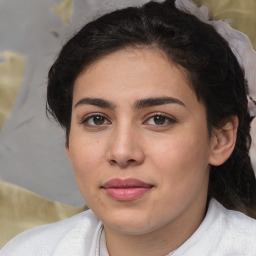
x=223, y=142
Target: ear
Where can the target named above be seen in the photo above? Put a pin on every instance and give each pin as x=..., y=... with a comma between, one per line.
x=223, y=141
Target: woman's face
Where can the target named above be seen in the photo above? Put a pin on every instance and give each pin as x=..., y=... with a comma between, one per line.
x=139, y=143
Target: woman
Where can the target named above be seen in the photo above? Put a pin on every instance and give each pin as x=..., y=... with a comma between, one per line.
x=154, y=104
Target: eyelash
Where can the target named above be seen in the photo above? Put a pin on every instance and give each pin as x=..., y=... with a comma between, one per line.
x=93, y=115
x=170, y=120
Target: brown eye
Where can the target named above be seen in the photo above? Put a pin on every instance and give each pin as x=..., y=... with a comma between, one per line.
x=95, y=120
x=98, y=120
x=159, y=120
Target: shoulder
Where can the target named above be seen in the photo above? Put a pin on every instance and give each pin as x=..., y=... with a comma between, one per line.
x=223, y=232
x=235, y=232
x=235, y=221
x=73, y=235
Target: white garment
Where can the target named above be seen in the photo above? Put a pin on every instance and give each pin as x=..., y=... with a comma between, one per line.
x=222, y=233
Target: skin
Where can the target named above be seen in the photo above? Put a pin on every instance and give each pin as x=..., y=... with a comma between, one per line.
x=174, y=156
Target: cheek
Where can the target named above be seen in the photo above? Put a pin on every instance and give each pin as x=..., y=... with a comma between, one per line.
x=85, y=156
x=181, y=157
x=84, y=152
x=182, y=166
x=86, y=165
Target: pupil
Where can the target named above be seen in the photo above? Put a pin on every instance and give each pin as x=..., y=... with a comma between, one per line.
x=98, y=120
x=159, y=120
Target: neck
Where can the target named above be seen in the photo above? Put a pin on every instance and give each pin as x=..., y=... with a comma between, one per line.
x=158, y=242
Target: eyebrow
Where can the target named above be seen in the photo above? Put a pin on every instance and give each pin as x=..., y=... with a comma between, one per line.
x=95, y=102
x=150, y=102
x=143, y=103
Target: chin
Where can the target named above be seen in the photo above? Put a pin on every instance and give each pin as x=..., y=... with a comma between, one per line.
x=132, y=223
x=130, y=228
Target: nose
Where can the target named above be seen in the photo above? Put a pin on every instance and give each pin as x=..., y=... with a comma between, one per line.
x=125, y=148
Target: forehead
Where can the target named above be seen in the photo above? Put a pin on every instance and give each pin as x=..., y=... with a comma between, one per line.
x=132, y=73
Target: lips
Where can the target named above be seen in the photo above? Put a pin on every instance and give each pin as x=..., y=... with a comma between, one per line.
x=126, y=189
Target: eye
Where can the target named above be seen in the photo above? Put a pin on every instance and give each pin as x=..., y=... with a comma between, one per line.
x=95, y=120
x=160, y=120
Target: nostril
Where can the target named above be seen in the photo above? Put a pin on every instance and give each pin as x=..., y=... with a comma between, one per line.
x=112, y=162
x=125, y=163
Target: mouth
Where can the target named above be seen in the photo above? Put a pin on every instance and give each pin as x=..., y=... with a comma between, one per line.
x=126, y=189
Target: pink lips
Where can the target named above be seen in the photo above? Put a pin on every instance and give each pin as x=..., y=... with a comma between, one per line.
x=126, y=189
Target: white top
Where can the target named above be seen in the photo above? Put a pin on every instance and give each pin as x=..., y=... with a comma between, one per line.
x=222, y=233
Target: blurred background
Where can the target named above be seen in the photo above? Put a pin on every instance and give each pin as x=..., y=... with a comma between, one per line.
x=31, y=34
